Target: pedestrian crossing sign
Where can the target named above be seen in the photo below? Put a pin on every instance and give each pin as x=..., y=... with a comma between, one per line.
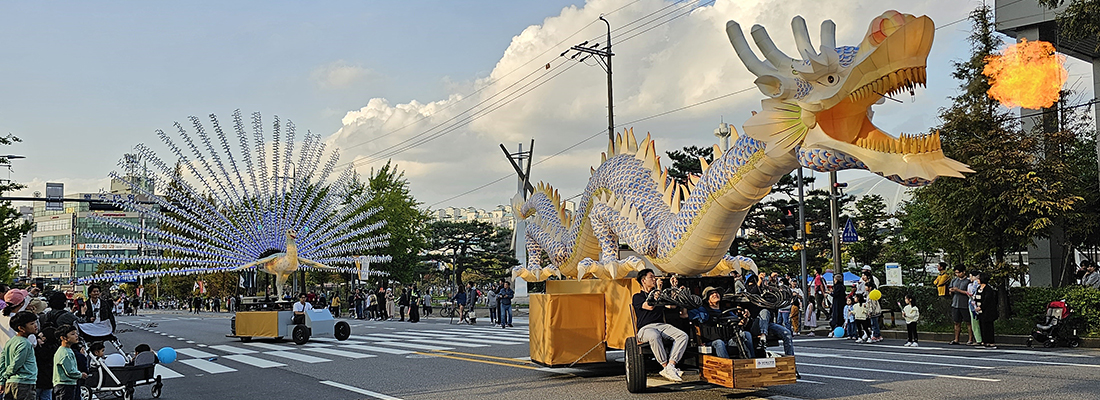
x=849, y=235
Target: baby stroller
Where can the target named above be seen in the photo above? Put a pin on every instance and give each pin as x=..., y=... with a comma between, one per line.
x=1056, y=327
x=122, y=380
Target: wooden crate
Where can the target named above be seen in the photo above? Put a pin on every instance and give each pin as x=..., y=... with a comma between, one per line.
x=748, y=373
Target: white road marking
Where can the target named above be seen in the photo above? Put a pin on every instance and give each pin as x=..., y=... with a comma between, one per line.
x=800, y=354
x=231, y=349
x=268, y=346
x=195, y=353
x=889, y=371
x=377, y=349
x=450, y=342
x=880, y=352
x=415, y=346
x=253, y=361
x=166, y=373
x=207, y=366
x=370, y=338
x=341, y=353
x=845, y=378
x=297, y=357
x=360, y=391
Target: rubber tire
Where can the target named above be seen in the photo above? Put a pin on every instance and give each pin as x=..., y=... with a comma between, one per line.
x=341, y=331
x=233, y=326
x=156, y=391
x=1030, y=343
x=85, y=393
x=128, y=394
x=1073, y=344
x=300, y=334
x=635, y=366
x=1049, y=344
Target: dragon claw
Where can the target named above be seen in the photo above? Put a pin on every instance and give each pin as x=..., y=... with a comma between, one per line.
x=609, y=269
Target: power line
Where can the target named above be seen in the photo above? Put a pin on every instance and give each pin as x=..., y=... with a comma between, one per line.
x=375, y=158
x=597, y=134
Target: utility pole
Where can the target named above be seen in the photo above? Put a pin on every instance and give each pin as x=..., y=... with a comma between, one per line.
x=603, y=57
x=802, y=228
x=833, y=221
x=519, y=233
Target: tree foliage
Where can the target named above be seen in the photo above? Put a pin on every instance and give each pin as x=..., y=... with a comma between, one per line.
x=1080, y=20
x=687, y=162
x=477, y=249
x=12, y=224
x=405, y=221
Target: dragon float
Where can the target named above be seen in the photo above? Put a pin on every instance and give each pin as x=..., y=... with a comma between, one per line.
x=817, y=115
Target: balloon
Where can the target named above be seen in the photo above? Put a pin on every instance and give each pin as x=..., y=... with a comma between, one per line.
x=875, y=295
x=115, y=360
x=838, y=332
x=166, y=355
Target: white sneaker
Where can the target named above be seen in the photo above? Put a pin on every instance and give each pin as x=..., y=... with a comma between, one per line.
x=914, y=345
x=907, y=344
x=679, y=373
x=861, y=340
x=670, y=374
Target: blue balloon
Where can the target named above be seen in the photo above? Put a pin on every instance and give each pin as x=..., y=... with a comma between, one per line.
x=838, y=332
x=166, y=355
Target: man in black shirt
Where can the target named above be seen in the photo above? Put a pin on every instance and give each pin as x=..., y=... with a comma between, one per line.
x=653, y=330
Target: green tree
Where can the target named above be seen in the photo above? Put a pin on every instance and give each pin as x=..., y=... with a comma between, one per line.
x=1080, y=20
x=871, y=222
x=687, y=162
x=405, y=221
x=477, y=247
x=1007, y=201
x=12, y=224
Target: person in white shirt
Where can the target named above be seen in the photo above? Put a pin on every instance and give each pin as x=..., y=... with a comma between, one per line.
x=300, y=309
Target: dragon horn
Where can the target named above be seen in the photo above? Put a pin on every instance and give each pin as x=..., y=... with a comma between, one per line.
x=772, y=53
x=802, y=40
x=741, y=47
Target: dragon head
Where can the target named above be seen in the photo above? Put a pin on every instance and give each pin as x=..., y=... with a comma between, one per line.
x=824, y=100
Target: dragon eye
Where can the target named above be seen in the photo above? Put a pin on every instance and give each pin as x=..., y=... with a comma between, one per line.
x=831, y=79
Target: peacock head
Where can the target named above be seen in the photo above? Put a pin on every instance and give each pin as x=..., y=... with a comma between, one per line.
x=824, y=100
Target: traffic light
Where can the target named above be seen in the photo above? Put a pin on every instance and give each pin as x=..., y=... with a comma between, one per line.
x=808, y=225
x=790, y=221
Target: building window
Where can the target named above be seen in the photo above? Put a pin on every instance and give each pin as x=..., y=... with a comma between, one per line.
x=51, y=240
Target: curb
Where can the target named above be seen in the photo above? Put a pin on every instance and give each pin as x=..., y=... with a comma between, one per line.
x=1018, y=340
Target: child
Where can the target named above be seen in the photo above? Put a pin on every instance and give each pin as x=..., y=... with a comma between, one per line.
x=859, y=313
x=144, y=348
x=911, y=314
x=18, y=369
x=97, y=350
x=65, y=369
x=849, y=319
x=874, y=313
x=81, y=361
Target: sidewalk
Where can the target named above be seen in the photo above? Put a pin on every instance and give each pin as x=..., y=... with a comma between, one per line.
x=1018, y=340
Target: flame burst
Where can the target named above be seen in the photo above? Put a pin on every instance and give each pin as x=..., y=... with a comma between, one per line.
x=1027, y=74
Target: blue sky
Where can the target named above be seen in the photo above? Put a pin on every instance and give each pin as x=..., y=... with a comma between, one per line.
x=81, y=83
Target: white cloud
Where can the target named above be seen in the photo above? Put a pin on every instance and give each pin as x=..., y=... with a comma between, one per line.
x=339, y=75
x=683, y=62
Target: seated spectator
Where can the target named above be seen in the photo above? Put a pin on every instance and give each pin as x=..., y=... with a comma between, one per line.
x=144, y=355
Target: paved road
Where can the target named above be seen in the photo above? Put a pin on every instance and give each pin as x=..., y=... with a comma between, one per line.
x=437, y=360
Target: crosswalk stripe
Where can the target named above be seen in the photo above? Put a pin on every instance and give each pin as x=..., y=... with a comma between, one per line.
x=268, y=346
x=207, y=366
x=254, y=361
x=166, y=373
x=888, y=371
x=481, y=340
x=341, y=353
x=298, y=357
x=371, y=338
x=450, y=342
x=232, y=349
x=387, y=335
x=377, y=349
x=838, y=377
x=196, y=353
x=415, y=346
x=359, y=390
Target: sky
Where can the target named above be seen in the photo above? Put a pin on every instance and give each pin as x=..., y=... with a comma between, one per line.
x=82, y=83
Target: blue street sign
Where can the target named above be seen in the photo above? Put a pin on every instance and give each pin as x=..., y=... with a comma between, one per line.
x=849, y=235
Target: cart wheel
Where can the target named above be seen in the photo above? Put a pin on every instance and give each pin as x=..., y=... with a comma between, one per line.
x=300, y=334
x=156, y=390
x=1030, y=342
x=233, y=325
x=342, y=331
x=85, y=393
x=1049, y=343
x=1074, y=343
x=128, y=394
x=635, y=367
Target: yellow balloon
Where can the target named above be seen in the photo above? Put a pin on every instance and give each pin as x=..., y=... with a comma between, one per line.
x=875, y=295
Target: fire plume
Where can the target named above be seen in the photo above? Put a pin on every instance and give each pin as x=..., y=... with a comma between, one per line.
x=1026, y=74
